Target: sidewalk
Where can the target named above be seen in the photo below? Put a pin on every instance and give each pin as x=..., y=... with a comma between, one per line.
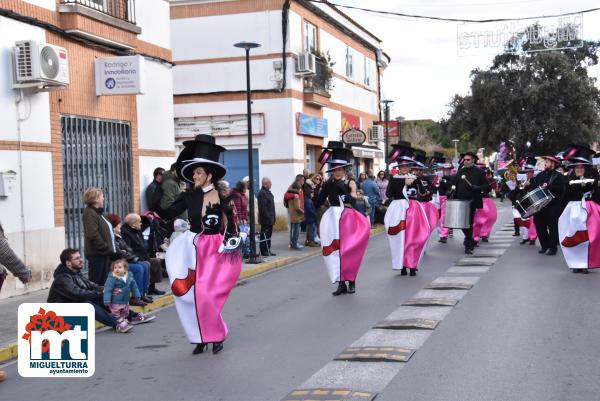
x=284, y=256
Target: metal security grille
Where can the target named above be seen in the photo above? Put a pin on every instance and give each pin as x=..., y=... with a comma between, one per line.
x=95, y=153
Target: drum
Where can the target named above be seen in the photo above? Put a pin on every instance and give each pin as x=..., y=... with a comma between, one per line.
x=533, y=202
x=457, y=213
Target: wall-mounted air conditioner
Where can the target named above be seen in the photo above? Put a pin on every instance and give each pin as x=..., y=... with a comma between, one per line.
x=306, y=64
x=376, y=133
x=40, y=65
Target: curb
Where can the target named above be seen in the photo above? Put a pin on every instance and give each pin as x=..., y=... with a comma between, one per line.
x=10, y=351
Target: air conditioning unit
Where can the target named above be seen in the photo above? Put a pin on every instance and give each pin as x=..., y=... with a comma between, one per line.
x=376, y=133
x=40, y=65
x=306, y=64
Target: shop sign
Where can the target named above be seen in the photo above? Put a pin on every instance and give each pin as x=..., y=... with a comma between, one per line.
x=119, y=75
x=350, y=121
x=228, y=125
x=309, y=125
x=354, y=137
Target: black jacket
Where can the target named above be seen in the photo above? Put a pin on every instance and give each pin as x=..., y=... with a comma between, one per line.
x=135, y=240
x=577, y=192
x=69, y=286
x=266, y=207
x=556, y=185
x=154, y=194
x=124, y=251
x=474, y=190
x=332, y=190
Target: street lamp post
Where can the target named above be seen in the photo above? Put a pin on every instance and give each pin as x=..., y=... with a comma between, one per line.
x=456, y=149
x=399, y=119
x=387, y=130
x=247, y=46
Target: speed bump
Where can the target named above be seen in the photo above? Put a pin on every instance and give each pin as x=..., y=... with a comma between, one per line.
x=328, y=394
x=449, y=286
x=407, y=324
x=375, y=354
x=430, y=302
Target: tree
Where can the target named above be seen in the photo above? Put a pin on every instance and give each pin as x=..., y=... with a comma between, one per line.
x=545, y=99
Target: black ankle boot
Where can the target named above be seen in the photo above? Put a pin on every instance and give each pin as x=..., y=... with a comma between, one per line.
x=199, y=348
x=413, y=272
x=485, y=239
x=351, y=287
x=340, y=290
x=217, y=347
x=524, y=241
x=403, y=272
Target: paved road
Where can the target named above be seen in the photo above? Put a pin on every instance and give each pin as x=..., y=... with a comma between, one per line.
x=525, y=331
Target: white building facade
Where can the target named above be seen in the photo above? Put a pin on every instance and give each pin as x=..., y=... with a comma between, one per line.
x=294, y=113
x=59, y=142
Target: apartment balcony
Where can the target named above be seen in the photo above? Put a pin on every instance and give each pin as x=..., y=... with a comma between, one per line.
x=317, y=87
x=121, y=9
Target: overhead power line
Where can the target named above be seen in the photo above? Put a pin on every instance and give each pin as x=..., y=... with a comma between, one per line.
x=406, y=15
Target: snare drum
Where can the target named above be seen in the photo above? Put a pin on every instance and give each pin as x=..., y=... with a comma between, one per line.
x=457, y=214
x=533, y=202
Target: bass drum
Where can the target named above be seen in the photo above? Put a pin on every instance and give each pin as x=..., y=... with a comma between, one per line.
x=533, y=202
x=457, y=214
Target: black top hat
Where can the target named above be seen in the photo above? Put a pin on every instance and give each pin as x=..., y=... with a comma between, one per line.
x=438, y=160
x=200, y=152
x=337, y=155
x=420, y=158
x=578, y=154
x=402, y=153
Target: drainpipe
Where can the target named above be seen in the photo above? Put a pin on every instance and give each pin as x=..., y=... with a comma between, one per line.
x=18, y=100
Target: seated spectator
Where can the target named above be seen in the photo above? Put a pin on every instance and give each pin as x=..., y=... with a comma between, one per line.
x=117, y=289
x=70, y=286
x=138, y=268
x=132, y=234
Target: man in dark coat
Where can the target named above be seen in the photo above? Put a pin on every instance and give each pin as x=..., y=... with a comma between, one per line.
x=70, y=286
x=131, y=232
x=266, y=216
x=154, y=191
x=546, y=220
x=469, y=184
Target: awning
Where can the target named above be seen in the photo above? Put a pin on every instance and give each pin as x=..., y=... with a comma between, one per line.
x=367, y=152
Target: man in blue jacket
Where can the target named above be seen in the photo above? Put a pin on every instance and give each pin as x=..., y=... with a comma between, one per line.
x=371, y=191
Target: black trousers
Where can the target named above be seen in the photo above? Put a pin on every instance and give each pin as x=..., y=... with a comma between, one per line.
x=98, y=268
x=266, y=232
x=469, y=242
x=546, y=224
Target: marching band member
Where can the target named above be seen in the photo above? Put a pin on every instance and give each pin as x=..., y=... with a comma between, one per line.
x=344, y=231
x=486, y=217
x=469, y=184
x=579, y=224
x=201, y=276
x=406, y=222
x=546, y=220
x=425, y=188
x=526, y=226
x=442, y=186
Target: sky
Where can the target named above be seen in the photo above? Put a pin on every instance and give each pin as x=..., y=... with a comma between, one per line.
x=426, y=69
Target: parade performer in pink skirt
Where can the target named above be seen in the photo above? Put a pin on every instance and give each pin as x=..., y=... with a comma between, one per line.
x=486, y=217
x=406, y=220
x=201, y=275
x=343, y=230
x=424, y=186
x=441, y=185
x=579, y=224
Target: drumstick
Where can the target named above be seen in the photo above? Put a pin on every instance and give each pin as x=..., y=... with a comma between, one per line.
x=582, y=182
x=464, y=177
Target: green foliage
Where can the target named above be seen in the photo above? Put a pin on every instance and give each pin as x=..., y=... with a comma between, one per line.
x=545, y=98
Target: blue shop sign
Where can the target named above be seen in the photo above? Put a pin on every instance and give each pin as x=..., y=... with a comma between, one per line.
x=309, y=125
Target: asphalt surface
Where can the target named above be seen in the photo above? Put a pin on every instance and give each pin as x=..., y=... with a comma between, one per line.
x=525, y=331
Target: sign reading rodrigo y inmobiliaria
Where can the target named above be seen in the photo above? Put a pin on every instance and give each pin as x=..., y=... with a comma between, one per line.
x=533, y=35
x=56, y=340
x=119, y=75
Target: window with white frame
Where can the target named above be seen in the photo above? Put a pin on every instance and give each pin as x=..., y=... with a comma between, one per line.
x=310, y=37
x=367, y=75
x=349, y=63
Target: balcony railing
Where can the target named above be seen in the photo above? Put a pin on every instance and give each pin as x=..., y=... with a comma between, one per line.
x=121, y=9
x=319, y=83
